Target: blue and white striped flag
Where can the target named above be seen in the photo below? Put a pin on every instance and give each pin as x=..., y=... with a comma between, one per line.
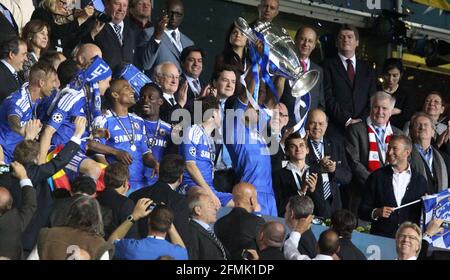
x=437, y=206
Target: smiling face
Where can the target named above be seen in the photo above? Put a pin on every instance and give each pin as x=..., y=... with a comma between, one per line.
x=150, y=102
x=51, y=82
x=123, y=93
x=169, y=78
x=381, y=111
x=407, y=243
x=317, y=125
x=306, y=42
x=193, y=64
x=397, y=153
x=117, y=9
x=297, y=149
x=433, y=106
x=225, y=84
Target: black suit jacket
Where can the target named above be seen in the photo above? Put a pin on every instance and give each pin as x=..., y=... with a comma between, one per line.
x=344, y=100
x=237, y=230
x=341, y=176
x=348, y=250
x=38, y=175
x=379, y=192
x=121, y=207
x=162, y=192
x=13, y=222
x=190, y=94
x=202, y=246
x=8, y=82
x=166, y=110
x=271, y=254
x=112, y=51
x=317, y=96
x=7, y=30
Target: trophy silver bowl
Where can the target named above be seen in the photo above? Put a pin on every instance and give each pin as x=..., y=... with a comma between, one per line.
x=282, y=54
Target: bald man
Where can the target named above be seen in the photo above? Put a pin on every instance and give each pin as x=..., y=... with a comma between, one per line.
x=238, y=229
x=305, y=42
x=328, y=246
x=85, y=53
x=268, y=10
x=327, y=158
x=13, y=221
x=270, y=240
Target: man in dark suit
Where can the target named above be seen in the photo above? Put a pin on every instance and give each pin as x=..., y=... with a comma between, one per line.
x=13, y=221
x=13, y=55
x=192, y=65
x=344, y=222
x=204, y=244
x=390, y=187
x=328, y=159
x=167, y=76
x=26, y=153
x=114, y=198
x=426, y=159
x=348, y=84
x=8, y=26
x=366, y=146
x=164, y=42
x=305, y=41
x=164, y=191
x=238, y=229
x=116, y=39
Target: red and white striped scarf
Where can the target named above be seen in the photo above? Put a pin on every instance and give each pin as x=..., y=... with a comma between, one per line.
x=374, y=157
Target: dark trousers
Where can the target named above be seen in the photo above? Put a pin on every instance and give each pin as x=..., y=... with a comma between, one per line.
x=224, y=180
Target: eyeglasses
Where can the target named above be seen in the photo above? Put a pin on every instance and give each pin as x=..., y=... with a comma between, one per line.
x=404, y=236
x=170, y=76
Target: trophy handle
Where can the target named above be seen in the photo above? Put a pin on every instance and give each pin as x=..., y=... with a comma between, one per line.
x=242, y=25
x=305, y=82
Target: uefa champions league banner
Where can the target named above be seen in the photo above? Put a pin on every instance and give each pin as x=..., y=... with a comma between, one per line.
x=437, y=206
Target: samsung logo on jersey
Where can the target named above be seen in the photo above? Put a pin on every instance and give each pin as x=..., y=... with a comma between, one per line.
x=161, y=143
x=124, y=138
x=205, y=154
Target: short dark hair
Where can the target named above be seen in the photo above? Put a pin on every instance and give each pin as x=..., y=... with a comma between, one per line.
x=50, y=56
x=221, y=68
x=84, y=214
x=171, y=168
x=301, y=206
x=26, y=151
x=154, y=86
x=116, y=174
x=327, y=244
x=351, y=28
x=188, y=50
x=83, y=184
x=291, y=137
x=343, y=222
x=161, y=218
x=208, y=102
x=392, y=63
x=66, y=71
x=40, y=70
x=10, y=45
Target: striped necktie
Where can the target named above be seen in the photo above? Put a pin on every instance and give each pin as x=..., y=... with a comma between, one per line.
x=217, y=241
x=326, y=184
x=118, y=31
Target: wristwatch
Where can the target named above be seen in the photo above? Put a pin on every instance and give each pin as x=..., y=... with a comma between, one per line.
x=131, y=219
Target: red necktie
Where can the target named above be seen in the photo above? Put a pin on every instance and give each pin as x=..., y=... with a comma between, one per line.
x=304, y=65
x=350, y=70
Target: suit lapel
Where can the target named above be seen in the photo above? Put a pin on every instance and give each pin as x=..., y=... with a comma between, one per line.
x=113, y=34
x=168, y=42
x=341, y=70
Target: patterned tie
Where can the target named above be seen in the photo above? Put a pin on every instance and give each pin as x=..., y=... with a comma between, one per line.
x=16, y=76
x=218, y=243
x=350, y=70
x=326, y=184
x=380, y=133
x=177, y=44
x=196, y=83
x=118, y=30
x=172, y=101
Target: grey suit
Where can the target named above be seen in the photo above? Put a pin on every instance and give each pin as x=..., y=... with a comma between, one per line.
x=357, y=149
x=150, y=53
x=439, y=181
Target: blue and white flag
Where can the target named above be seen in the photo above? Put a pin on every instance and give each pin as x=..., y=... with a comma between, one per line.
x=437, y=206
x=135, y=78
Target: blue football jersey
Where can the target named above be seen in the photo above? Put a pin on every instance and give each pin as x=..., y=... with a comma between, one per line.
x=17, y=104
x=199, y=147
x=126, y=132
x=157, y=138
x=72, y=104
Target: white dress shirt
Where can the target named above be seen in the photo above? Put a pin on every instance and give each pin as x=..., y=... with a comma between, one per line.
x=290, y=248
x=168, y=97
x=9, y=66
x=321, y=257
x=399, y=182
x=344, y=61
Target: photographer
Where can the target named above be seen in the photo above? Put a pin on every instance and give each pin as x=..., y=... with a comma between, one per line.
x=67, y=25
x=152, y=247
x=14, y=220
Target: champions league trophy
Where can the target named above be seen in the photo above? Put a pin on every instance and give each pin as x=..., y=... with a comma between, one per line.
x=282, y=55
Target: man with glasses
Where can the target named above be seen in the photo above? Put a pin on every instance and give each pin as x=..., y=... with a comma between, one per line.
x=165, y=41
x=167, y=76
x=390, y=187
x=408, y=241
